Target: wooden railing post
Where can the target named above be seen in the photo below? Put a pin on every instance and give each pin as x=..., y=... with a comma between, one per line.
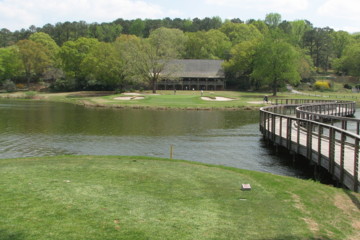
x=342, y=155
x=288, y=133
x=298, y=136
x=280, y=132
x=331, y=150
x=319, y=144
x=339, y=141
x=273, y=118
x=309, y=139
x=356, y=166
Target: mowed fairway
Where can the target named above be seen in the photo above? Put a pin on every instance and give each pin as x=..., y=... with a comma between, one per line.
x=97, y=197
x=183, y=100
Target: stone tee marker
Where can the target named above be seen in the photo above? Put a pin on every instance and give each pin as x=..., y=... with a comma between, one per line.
x=245, y=187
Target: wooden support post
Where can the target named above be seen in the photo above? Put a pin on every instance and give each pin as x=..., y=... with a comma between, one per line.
x=288, y=133
x=309, y=140
x=331, y=150
x=307, y=131
x=319, y=144
x=268, y=125
x=298, y=136
x=294, y=159
x=346, y=110
x=171, y=151
x=342, y=155
x=280, y=132
x=356, y=166
x=316, y=172
x=273, y=118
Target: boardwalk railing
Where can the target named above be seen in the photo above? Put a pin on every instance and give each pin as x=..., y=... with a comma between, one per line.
x=308, y=127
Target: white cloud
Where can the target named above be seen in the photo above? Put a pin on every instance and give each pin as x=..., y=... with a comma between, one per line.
x=283, y=6
x=347, y=9
x=344, y=14
x=16, y=14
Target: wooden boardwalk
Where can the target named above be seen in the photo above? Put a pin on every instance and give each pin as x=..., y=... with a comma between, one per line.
x=306, y=129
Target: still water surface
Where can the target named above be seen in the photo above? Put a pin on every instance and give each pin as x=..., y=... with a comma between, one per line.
x=229, y=138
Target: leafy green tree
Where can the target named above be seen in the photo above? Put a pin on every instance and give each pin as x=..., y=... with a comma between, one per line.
x=6, y=37
x=72, y=54
x=35, y=58
x=137, y=28
x=195, y=45
x=130, y=48
x=239, y=32
x=241, y=63
x=213, y=44
x=187, y=25
x=276, y=63
x=210, y=23
x=106, y=32
x=349, y=62
x=217, y=44
x=261, y=26
x=305, y=66
x=46, y=41
x=103, y=67
x=150, y=25
x=319, y=44
x=48, y=29
x=286, y=27
x=10, y=63
x=298, y=29
x=273, y=20
x=146, y=59
x=341, y=40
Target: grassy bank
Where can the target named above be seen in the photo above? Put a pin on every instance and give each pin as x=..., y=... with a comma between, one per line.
x=95, y=197
x=188, y=100
x=163, y=99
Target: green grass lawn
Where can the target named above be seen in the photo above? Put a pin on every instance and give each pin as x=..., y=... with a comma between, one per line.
x=96, y=197
x=182, y=99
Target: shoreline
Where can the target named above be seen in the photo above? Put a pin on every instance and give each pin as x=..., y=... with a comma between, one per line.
x=85, y=99
x=115, y=106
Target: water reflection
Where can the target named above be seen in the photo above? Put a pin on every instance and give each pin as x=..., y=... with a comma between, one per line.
x=229, y=138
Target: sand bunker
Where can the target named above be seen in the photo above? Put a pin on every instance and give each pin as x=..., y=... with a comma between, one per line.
x=217, y=99
x=129, y=98
x=256, y=102
x=131, y=94
x=136, y=94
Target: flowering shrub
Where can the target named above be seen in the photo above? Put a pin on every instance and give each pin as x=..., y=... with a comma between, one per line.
x=322, y=85
x=20, y=86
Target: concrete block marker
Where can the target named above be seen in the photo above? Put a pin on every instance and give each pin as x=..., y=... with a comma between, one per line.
x=245, y=187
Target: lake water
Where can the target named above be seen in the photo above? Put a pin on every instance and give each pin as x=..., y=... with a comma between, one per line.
x=229, y=138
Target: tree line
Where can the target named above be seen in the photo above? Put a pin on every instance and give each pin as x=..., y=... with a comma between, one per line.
x=258, y=53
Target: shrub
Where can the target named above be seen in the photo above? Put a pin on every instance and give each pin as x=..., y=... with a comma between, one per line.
x=322, y=85
x=347, y=86
x=9, y=86
x=20, y=86
x=63, y=85
x=30, y=95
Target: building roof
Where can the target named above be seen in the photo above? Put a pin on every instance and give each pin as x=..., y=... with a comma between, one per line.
x=195, y=68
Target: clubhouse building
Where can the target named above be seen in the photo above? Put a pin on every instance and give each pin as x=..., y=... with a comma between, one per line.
x=193, y=74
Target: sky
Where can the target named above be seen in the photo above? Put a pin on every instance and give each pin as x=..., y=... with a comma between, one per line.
x=336, y=14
